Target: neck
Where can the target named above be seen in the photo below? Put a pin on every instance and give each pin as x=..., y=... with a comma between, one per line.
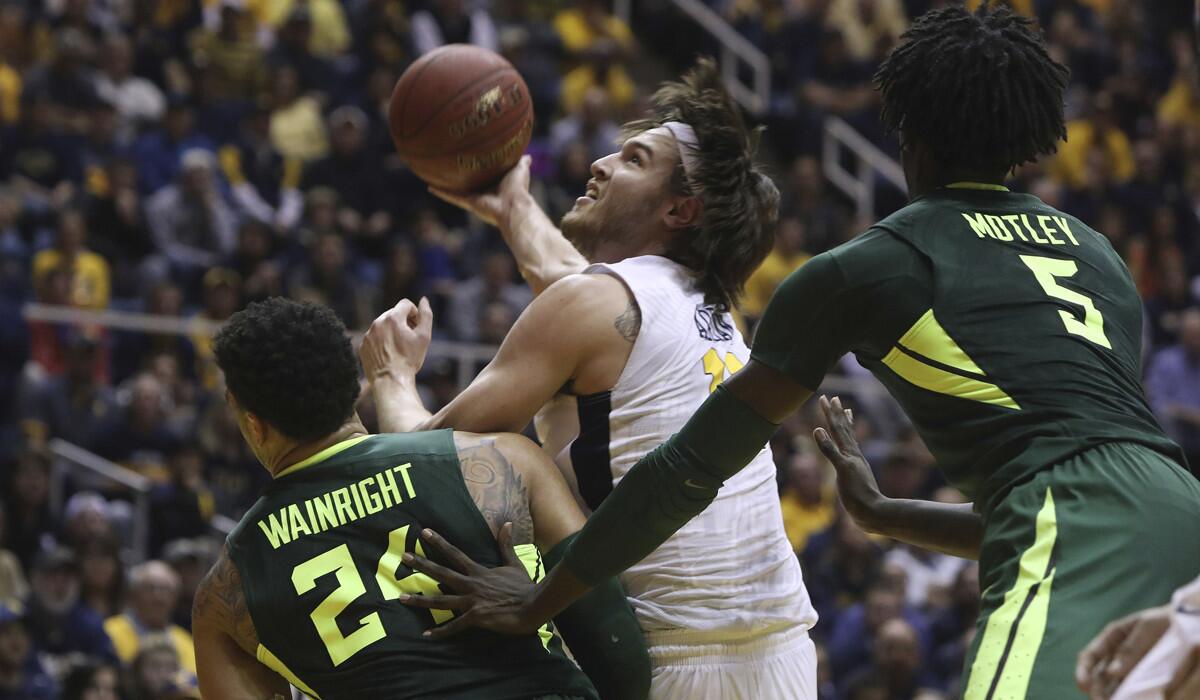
x=615, y=251
x=298, y=452
x=941, y=178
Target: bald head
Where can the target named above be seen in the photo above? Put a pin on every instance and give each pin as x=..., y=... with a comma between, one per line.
x=154, y=590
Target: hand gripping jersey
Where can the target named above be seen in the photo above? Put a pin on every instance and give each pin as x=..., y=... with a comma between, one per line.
x=730, y=572
x=319, y=557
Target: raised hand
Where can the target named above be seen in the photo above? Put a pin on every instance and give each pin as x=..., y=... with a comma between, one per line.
x=397, y=341
x=495, y=599
x=491, y=206
x=855, y=481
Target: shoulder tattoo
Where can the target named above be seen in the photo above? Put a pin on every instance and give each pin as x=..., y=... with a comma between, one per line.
x=221, y=600
x=629, y=322
x=495, y=486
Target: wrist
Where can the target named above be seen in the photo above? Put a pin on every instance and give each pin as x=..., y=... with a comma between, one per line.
x=517, y=207
x=394, y=377
x=874, y=514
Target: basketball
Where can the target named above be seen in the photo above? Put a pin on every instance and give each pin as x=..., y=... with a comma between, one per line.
x=461, y=117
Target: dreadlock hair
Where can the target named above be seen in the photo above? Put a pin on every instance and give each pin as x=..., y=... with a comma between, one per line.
x=977, y=88
x=740, y=203
x=291, y=364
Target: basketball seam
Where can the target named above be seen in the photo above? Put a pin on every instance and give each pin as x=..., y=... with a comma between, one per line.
x=463, y=89
x=483, y=143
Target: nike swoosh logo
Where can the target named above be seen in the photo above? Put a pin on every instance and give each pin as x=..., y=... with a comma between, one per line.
x=1187, y=610
x=692, y=484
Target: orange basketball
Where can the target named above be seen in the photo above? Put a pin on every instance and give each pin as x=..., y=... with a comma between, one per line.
x=460, y=116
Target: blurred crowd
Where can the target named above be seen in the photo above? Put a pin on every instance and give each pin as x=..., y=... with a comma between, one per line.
x=183, y=158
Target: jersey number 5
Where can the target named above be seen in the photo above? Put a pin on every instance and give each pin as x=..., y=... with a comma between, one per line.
x=350, y=587
x=1046, y=270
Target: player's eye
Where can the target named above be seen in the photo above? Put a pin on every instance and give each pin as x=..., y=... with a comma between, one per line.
x=635, y=159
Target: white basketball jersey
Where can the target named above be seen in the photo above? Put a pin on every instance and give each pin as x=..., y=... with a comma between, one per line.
x=730, y=572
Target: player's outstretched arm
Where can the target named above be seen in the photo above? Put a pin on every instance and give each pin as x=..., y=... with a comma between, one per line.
x=573, y=333
x=392, y=352
x=943, y=527
x=543, y=255
x=226, y=641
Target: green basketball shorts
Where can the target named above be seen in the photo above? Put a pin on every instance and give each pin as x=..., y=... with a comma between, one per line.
x=1109, y=531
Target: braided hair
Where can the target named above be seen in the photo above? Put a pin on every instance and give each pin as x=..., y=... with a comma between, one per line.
x=740, y=202
x=977, y=88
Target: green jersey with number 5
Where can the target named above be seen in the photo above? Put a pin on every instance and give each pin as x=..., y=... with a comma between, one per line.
x=1009, y=332
x=319, y=558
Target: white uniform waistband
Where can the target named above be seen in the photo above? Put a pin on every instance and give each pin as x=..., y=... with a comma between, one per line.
x=688, y=647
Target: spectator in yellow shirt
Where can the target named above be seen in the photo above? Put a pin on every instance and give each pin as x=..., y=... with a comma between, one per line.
x=1180, y=106
x=807, y=501
x=787, y=255
x=153, y=594
x=297, y=128
x=89, y=271
x=1097, y=130
x=599, y=43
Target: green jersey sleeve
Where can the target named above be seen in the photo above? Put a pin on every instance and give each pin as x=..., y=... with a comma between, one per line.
x=856, y=298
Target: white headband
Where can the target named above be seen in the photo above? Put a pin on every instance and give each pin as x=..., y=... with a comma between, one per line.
x=685, y=139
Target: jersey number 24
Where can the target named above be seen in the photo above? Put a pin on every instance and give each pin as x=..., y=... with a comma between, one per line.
x=350, y=587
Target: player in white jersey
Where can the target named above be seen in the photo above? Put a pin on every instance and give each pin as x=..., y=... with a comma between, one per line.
x=628, y=335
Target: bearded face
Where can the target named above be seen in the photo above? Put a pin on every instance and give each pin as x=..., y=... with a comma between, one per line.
x=626, y=198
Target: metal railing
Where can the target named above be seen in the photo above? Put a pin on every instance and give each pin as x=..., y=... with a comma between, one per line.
x=467, y=356
x=71, y=457
x=735, y=51
x=870, y=164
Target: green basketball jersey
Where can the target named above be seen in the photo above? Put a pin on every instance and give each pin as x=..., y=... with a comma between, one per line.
x=319, y=558
x=1009, y=332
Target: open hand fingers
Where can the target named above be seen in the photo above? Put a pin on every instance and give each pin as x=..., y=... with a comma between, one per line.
x=1098, y=652
x=1144, y=634
x=451, y=628
x=437, y=602
x=449, y=552
x=827, y=446
x=437, y=572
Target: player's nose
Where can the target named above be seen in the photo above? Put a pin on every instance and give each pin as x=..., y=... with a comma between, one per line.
x=601, y=168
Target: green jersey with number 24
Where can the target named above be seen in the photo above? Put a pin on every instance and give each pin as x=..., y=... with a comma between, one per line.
x=320, y=561
x=1009, y=332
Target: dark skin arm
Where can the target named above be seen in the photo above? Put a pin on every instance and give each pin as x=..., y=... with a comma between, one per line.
x=226, y=641
x=523, y=498
x=949, y=528
x=943, y=527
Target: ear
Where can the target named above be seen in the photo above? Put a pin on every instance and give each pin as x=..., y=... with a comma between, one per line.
x=684, y=213
x=257, y=427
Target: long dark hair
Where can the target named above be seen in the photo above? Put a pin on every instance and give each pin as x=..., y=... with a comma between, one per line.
x=740, y=202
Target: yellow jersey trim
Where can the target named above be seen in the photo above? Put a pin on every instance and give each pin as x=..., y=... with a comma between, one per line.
x=323, y=455
x=532, y=559
x=929, y=339
x=977, y=186
x=1026, y=605
x=266, y=658
x=938, y=380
